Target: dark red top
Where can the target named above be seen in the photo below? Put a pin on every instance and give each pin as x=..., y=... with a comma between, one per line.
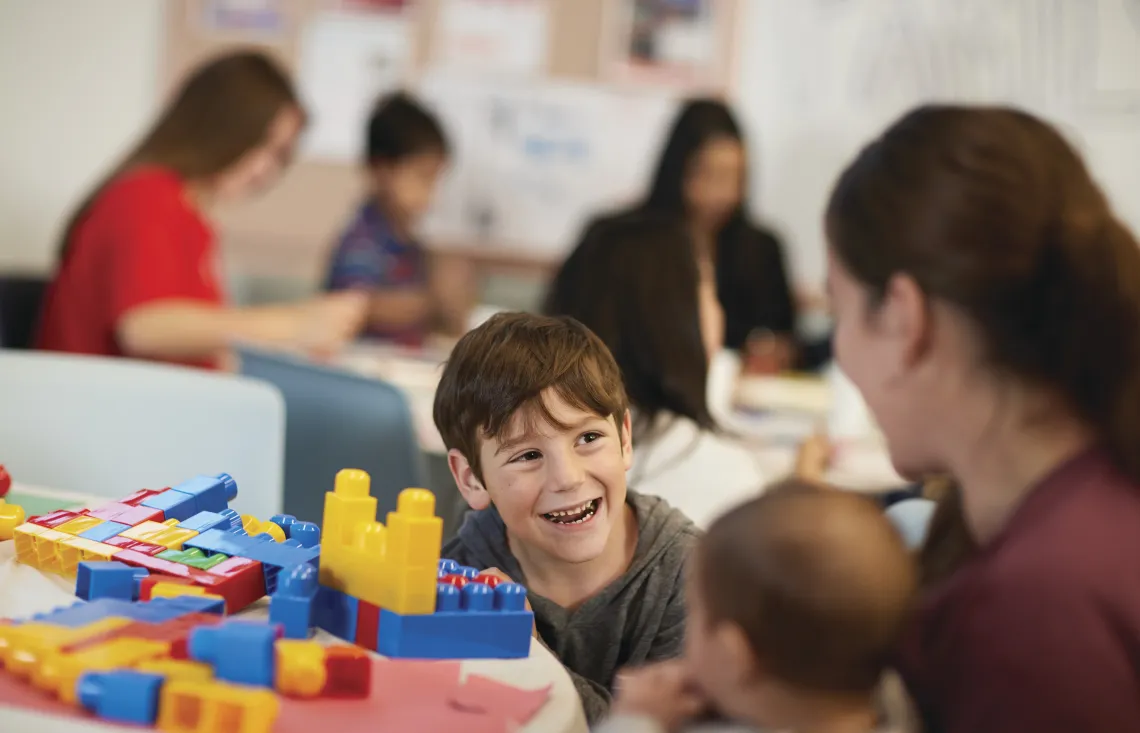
x=1040, y=633
x=140, y=242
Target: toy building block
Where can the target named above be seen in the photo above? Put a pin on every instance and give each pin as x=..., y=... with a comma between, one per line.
x=175, y=631
x=82, y=523
x=102, y=531
x=107, y=580
x=254, y=526
x=158, y=566
x=336, y=613
x=126, y=543
x=147, y=584
x=193, y=557
x=305, y=533
x=177, y=669
x=172, y=503
x=157, y=611
x=52, y=520
x=11, y=516
x=71, y=551
x=36, y=546
x=203, y=521
x=300, y=668
x=176, y=590
x=205, y=707
x=59, y=673
x=127, y=514
x=23, y=647
x=284, y=521
x=348, y=672
x=273, y=556
x=292, y=605
x=137, y=497
x=477, y=622
x=239, y=580
x=233, y=520
x=5, y=481
x=239, y=651
x=211, y=493
x=393, y=566
x=123, y=695
x=367, y=625
x=166, y=533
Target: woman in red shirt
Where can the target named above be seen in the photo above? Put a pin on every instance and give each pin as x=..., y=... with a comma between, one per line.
x=988, y=308
x=138, y=274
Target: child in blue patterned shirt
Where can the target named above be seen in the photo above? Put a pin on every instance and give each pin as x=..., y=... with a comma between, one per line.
x=407, y=152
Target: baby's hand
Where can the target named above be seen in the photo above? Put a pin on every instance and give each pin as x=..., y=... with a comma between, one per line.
x=496, y=573
x=814, y=458
x=662, y=691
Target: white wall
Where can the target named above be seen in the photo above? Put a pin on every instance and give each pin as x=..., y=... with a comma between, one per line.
x=78, y=81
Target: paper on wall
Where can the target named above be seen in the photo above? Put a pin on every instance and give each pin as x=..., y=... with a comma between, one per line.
x=345, y=63
x=492, y=36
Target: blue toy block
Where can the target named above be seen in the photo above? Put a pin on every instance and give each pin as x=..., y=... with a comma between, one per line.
x=203, y=521
x=233, y=522
x=306, y=533
x=336, y=612
x=293, y=604
x=284, y=521
x=174, y=504
x=104, y=531
x=94, y=580
x=273, y=556
x=476, y=623
x=211, y=493
x=240, y=651
x=122, y=695
x=154, y=611
x=451, y=567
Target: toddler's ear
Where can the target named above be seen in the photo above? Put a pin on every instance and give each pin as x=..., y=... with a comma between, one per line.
x=470, y=485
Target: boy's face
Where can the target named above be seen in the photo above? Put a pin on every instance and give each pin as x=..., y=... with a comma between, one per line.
x=559, y=492
x=407, y=186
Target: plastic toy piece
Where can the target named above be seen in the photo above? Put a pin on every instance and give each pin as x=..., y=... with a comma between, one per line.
x=175, y=631
x=211, y=493
x=193, y=557
x=5, y=481
x=284, y=521
x=273, y=556
x=70, y=551
x=348, y=672
x=254, y=526
x=59, y=673
x=301, y=670
x=292, y=605
x=126, y=543
x=203, y=521
x=175, y=590
x=24, y=646
x=239, y=580
x=177, y=669
x=367, y=625
x=80, y=524
x=336, y=613
x=158, y=566
x=206, y=707
x=136, y=498
x=173, y=504
x=474, y=623
x=52, y=520
x=305, y=533
x=157, y=611
x=11, y=516
x=147, y=584
x=127, y=514
x=123, y=695
x=102, y=531
x=167, y=533
x=240, y=651
x=107, y=580
x=36, y=546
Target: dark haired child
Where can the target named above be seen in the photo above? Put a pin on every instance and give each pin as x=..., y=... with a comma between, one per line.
x=534, y=415
x=796, y=602
x=407, y=153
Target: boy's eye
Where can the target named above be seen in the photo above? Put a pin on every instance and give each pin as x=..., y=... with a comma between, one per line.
x=530, y=455
x=590, y=437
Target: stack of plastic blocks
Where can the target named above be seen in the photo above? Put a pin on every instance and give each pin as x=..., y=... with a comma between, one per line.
x=384, y=587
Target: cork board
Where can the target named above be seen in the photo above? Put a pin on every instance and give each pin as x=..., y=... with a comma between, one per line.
x=289, y=231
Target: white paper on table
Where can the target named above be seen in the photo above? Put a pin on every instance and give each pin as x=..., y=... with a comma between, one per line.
x=346, y=63
x=492, y=36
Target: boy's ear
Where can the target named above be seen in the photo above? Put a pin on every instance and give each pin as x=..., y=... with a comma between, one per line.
x=736, y=652
x=468, y=483
x=627, y=440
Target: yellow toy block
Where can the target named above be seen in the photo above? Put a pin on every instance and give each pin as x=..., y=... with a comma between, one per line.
x=168, y=533
x=73, y=550
x=206, y=707
x=11, y=516
x=409, y=591
x=25, y=537
x=45, y=546
x=24, y=646
x=300, y=668
x=254, y=526
x=173, y=590
x=177, y=669
x=58, y=673
x=415, y=534
x=80, y=524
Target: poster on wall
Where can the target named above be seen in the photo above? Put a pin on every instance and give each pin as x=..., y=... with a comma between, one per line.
x=492, y=36
x=242, y=16
x=681, y=43
x=371, y=6
x=344, y=64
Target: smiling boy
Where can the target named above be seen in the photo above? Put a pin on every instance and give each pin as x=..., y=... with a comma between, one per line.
x=535, y=418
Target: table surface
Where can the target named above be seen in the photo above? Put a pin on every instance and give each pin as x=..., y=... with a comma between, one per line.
x=28, y=591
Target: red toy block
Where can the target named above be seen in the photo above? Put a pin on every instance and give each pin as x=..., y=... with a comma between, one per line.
x=367, y=625
x=138, y=496
x=176, y=631
x=127, y=514
x=457, y=580
x=240, y=580
x=348, y=672
x=168, y=569
x=490, y=580
x=54, y=519
x=147, y=584
x=128, y=544
x=5, y=481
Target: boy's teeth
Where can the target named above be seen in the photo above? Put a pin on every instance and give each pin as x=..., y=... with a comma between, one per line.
x=582, y=513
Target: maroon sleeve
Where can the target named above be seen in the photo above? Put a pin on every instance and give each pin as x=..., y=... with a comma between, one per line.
x=1035, y=655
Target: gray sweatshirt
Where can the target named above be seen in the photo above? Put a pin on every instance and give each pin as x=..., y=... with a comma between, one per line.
x=638, y=618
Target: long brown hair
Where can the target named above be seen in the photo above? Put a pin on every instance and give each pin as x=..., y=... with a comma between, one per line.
x=992, y=210
x=221, y=111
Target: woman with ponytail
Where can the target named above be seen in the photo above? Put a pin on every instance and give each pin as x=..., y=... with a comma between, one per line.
x=988, y=309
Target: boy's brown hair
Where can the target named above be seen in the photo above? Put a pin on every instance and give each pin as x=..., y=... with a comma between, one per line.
x=505, y=365
x=817, y=578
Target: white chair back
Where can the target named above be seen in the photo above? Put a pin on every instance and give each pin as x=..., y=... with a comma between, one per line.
x=108, y=427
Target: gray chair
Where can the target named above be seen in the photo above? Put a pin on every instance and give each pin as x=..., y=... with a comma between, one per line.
x=336, y=420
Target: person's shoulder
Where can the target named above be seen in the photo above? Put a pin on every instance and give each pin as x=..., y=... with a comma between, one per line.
x=669, y=531
x=149, y=183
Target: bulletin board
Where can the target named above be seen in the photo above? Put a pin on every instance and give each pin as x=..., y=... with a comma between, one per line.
x=561, y=117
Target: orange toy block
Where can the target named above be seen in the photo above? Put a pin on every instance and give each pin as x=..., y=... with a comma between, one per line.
x=173, y=590
x=205, y=707
x=58, y=673
x=177, y=669
x=24, y=646
x=299, y=668
x=254, y=526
